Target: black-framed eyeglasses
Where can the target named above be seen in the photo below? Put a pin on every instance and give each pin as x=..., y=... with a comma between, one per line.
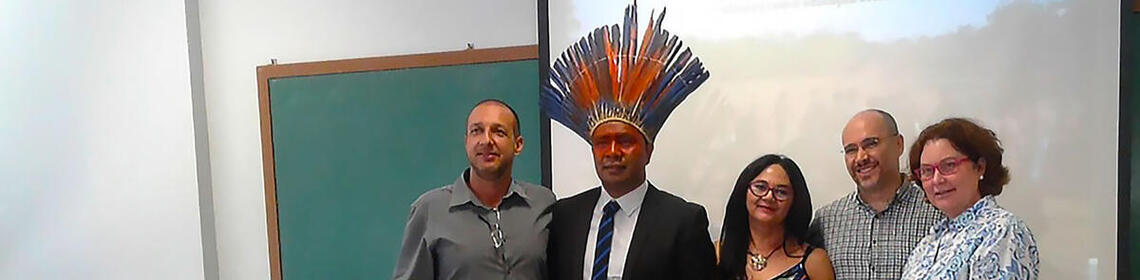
x=762, y=188
x=945, y=167
x=866, y=144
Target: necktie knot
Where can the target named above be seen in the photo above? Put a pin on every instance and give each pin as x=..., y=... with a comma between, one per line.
x=611, y=208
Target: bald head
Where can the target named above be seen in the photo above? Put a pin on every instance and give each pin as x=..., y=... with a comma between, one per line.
x=885, y=120
x=492, y=101
x=872, y=147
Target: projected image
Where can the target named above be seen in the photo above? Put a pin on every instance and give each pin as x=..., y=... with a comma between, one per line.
x=786, y=76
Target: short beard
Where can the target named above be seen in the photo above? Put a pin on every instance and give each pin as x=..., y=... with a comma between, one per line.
x=493, y=173
x=881, y=182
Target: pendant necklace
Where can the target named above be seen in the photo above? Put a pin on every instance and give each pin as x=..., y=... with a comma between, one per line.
x=758, y=262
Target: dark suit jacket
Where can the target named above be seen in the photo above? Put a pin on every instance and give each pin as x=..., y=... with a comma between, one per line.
x=670, y=240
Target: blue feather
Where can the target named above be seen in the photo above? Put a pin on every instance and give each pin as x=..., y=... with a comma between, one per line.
x=580, y=91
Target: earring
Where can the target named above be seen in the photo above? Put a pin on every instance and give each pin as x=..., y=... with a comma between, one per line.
x=983, y=177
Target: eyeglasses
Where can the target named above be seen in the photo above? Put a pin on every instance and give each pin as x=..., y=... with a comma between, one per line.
x=867, y=144
x=497, y=237
x=497, y=231
x=945, y=167
x=760, y=189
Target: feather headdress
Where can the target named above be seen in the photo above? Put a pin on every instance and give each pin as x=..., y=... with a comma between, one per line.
x=610, y=76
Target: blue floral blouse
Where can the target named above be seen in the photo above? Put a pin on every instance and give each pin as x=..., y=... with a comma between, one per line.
x=984, y=242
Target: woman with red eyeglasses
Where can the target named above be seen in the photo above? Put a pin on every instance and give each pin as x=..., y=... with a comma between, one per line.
x=958, y=164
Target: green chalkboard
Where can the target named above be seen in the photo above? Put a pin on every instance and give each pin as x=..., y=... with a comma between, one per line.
x=351, y=151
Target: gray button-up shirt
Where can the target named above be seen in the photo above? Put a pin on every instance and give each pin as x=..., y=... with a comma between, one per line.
x=863, y=244
x=448, y=235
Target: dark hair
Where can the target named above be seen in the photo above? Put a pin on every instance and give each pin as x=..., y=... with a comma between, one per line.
x=518, y=127
x=735, y=235
x=972, y=140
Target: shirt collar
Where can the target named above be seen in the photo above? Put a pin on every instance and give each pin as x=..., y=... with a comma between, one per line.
x=461, y=192
x=629, y=202
x=967, y=217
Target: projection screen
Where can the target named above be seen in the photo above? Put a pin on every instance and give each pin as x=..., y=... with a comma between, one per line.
x=786, y=75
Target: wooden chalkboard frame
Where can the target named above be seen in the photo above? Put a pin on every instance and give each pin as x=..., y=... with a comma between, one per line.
x=274, y=71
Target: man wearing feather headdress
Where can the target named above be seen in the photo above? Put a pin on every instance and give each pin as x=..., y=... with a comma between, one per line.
x=616, y=94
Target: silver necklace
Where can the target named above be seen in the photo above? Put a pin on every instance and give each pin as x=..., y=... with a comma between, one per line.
x=757, y=262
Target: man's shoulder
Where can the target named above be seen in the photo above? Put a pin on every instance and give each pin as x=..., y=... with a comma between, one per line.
x=539, y=194
x=584, y=195
x=588, y=197
x=436, y=196
x=835, y=207
x=673, y=202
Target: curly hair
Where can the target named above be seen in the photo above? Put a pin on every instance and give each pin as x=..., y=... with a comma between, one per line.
x=976, y=142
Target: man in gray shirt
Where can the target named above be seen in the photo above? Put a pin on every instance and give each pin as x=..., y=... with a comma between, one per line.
x=869, y=233
x=486, y=225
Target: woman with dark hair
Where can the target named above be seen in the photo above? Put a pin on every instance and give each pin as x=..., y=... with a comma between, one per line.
x=766, y=223
x=958, y=164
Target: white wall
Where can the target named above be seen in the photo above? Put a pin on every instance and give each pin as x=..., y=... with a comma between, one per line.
x=238, y=35
x=97, y=165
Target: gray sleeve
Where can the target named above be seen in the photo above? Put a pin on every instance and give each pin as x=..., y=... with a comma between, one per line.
x=416, y=259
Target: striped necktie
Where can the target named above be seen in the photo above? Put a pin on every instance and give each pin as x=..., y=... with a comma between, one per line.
x=605, y=239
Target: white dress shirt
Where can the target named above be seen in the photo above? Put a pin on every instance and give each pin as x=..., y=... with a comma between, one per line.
x=624, y=221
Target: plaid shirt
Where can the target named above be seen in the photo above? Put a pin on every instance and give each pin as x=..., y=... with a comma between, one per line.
x=866, y=245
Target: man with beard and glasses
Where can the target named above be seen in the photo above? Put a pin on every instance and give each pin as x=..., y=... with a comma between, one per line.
x=486, y=225
x=870, y=233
